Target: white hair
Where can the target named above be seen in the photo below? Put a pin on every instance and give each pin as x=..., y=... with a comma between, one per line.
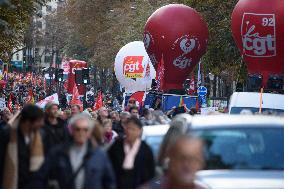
x=81, y=116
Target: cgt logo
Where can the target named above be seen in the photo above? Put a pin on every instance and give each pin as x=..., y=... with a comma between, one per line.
x=259, y=35
x=133, y=67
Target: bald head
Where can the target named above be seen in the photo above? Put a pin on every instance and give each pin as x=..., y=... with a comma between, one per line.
x=186, y=158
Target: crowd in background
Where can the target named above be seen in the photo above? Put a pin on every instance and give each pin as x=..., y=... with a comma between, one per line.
x=72, y=148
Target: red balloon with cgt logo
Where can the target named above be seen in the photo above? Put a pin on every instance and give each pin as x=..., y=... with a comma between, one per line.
x=258, y=28
x=179, y=35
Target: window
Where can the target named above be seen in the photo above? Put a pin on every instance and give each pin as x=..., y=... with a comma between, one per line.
x=244, y=148
x=17, y=56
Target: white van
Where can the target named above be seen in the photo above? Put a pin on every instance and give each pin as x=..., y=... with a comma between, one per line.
x=251, y=101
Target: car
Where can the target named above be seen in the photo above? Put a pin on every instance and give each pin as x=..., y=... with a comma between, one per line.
x=153, y=136
x=241, y=151
x=240, y=101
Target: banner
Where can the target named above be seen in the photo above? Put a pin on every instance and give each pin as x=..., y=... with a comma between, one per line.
x=53, y=98
x=169, y=101
x=133, y=67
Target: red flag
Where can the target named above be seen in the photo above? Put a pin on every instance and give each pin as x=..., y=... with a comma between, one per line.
x=99, y=101
x=192, y=86
x=75, y=98
x=65, y=85
x=44, y=84
x=10, y=103
x=30, y=98
x=160, y=74
x=139, y=97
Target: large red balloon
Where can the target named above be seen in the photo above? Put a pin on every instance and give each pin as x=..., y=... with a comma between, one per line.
x=179, y=34
x=75, y=65
x=258, y=29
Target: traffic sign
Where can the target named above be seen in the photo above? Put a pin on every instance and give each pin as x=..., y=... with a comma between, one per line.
x=202, y=91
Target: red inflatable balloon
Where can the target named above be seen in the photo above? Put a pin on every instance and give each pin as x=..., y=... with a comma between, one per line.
x=258, y=29
x=179, y=35
x=75, y=65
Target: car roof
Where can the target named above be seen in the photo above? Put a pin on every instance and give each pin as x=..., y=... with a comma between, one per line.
x=252, y=99
x=155, y=130
x=228, y=121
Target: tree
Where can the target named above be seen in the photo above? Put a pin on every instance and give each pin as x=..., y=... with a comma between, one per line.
x=14, y=19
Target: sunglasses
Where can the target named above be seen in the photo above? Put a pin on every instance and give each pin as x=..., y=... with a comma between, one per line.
x=81, y=129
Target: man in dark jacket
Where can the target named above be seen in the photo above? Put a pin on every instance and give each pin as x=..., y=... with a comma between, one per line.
x=77, y=165
x=132, y=159
x=55, y=130
x=21, y=148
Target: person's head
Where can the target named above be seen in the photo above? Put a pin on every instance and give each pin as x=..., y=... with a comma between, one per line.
x=179, y=126
x=123, y=118
x=6, y=115
x=133, y=129
x=103, y=113
x=193, y=111
x=81, y=126
x=134, y=111
x=32, y=116
x=97, y=135
x=114, y=115
x=185, y=159
x=94, y=115
x=131, y=102
x=75, y=109
x=107, y=124
x=66, y=114
x=147, y=114
x=51, y=110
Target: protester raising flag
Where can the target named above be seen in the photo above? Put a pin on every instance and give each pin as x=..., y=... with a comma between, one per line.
x=99, y=101
x=160, y=74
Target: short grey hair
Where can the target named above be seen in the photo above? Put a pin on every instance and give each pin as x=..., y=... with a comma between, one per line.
x=125, y=114
x=81, y=116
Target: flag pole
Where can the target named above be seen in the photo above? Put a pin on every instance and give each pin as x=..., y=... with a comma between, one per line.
x=260, y=103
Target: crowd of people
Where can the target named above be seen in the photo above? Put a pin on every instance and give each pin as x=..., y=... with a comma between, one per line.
x=88, y=149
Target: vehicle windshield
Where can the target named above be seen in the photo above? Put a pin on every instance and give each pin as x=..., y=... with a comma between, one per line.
x=238, y=110
x=244, y=148
x=154, y=141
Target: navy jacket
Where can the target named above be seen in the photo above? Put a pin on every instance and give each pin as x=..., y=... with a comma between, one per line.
x=98, y=170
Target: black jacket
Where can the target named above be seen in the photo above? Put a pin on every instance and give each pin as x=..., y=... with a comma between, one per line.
x=144, y=165
x=55, y=134
x=24, y=173
x=98, y=170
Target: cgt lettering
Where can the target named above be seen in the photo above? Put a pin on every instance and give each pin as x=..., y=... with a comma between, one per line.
x=259, y=45
x=131, y=67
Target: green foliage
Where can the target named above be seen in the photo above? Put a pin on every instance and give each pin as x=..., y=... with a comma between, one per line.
x=15, y=16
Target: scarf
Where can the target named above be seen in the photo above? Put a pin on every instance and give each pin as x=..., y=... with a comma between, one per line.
x=130, y=154
x=108, y=137
x=10, y=178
